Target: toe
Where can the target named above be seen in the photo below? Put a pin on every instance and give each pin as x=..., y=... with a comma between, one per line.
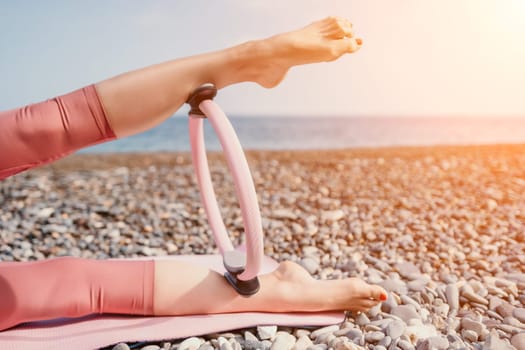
x=334, y=33
x=377, y=293
x=369, y=303
x=350, y=45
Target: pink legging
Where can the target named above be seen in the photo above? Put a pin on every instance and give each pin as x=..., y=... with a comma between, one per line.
x=40, y=133
x=65, y=287
x=74, y=287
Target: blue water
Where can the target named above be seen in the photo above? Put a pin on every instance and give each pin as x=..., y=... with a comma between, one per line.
x=273, y=133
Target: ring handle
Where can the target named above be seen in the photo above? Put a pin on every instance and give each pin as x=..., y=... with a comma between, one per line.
x=242, y=269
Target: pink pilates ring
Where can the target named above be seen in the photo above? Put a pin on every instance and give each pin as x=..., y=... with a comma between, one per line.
x=242, y=269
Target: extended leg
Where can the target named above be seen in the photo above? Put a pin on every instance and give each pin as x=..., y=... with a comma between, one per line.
x=136, y=101
x=290, y=288
x=140, y=99
x=73, y=287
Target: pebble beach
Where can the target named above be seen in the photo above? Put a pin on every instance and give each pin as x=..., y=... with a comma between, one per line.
x=441, y=228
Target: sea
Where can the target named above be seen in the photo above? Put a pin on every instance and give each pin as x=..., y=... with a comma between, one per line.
x=316, y=133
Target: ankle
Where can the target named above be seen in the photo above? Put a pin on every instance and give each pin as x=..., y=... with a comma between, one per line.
x=246, y=59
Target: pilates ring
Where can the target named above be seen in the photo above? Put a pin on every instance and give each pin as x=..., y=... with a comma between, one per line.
x=242, y=268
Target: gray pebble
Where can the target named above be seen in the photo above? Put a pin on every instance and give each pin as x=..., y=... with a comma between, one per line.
x=253, y=345
x=354, y=333
x=333, y=215
x=505, y=309
x=495, y=315
x=344, y=345
x=362, y=319
x=417, y=285
x=475, y=326
x=434, y=343
x=371, y=328
x=389, y=303
x=317, y=347
x=343, y=331
x=405, y=299
x=386, y=341
x=508, y=329
x=283, y=341
x=224, y=344
x=395, y=329
x=511, y=321
x=266, y=344
x=250, y=336
x=45, y=213
x=518, y=341
x=302, y=332
x=373, y=312
x=469, y=335
x=266, y=332
x=394, y=285
x=190, y=343
x=327, y=329
x=379, y=347
x=405, y=312
x=382, y=265
x=442, y=310
x=405, y=345
x=283, y=213
x=519, y=313
x=493, y=342
x=452, y=294
x=235, y=344
x=374, y=337
x=325, y=338
x=418, y=330
x=303, y=343
x=475, y=297
x=408, y=270
x=151, y=347
x=310, y=250
x=310, y=265
x=206, y=346
x=382, y=322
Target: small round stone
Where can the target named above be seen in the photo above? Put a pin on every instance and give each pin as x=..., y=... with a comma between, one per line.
x=395, y=329
x=519, y=313
x=151, y=347
x=374, y=337
x=518, y=341
x=266, y=332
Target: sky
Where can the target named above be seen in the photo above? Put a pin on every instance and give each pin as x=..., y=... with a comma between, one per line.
x=420, y=58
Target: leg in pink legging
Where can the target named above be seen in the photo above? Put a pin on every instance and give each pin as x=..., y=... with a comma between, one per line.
x=138, y=100
x=41, y=133
x=73, y=287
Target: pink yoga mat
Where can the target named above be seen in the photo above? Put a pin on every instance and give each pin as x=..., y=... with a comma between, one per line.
x=98, y=331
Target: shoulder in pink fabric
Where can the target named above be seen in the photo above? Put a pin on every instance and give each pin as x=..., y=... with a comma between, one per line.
x=40, y=133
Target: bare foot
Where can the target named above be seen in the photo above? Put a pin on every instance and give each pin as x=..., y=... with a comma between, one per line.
x=300, y=292
x=324, y=40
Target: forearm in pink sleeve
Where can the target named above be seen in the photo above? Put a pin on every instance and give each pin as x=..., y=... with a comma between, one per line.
x=74, y=287
x=43, y=132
